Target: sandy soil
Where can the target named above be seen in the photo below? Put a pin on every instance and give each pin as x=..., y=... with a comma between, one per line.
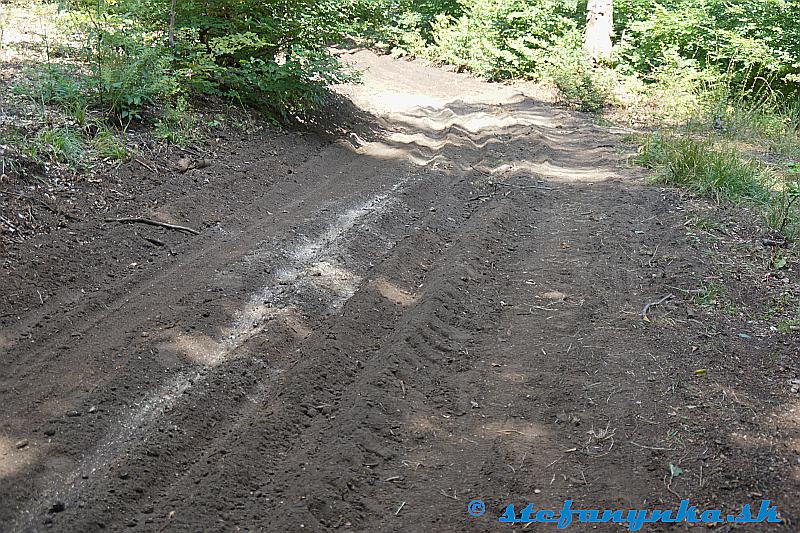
x=370, y=332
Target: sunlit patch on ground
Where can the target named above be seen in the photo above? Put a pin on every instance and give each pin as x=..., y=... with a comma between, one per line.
x=392, y=292
x=16, y=455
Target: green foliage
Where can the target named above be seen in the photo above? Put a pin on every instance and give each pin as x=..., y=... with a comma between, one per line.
x=120, y=60
x=502, y=39
x=724, y=174
x=684, y=50
x=271, y=54
x=127, y=73
x=783, y=214
x=178, y=124
x=58, y=145
x=109, y=145
x=706, y=169
x=709, y=293
x=751, y=43
x=580, y=84
x=773, y=126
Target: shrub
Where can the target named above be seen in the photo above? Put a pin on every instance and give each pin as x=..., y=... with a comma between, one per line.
x=579, y=83
x=507, y=39
x=128, y=74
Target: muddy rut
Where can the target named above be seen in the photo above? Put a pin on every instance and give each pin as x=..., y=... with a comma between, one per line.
x=370, y=332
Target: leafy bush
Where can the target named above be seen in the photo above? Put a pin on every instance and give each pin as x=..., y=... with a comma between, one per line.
x=123, y=56
x=580, y=84
x=128, y=73
x=268, y=53
x=503, y=39
x=753, y=43
x=686, y=50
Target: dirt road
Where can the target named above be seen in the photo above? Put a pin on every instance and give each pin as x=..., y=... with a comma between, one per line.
x=370, y=332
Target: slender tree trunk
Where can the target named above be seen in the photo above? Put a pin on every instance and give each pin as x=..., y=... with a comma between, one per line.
x=599, y=26
x=172, y=25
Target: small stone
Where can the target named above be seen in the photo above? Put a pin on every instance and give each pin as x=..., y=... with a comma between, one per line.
x=92, y=409
x=21, y=444
x=73, y=414
x=50, y=432
x=57, y=507
x=123, y=475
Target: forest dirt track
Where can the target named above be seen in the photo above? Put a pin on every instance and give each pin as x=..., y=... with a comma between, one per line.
x=369, y=333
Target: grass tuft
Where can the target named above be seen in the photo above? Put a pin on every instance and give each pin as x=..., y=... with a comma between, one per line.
x=700, y=166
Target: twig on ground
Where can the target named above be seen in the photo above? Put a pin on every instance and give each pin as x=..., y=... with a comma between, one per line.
x=669, y=487
x=685, y=291
x=652, y=257
x=647, y=306
x=8, y=223
x=473, y=167
x=651, y=447
x=400, y=508
x=153, y=241
x=136, y=220
x=145, y=165
x=479, y=197
x=451, y=496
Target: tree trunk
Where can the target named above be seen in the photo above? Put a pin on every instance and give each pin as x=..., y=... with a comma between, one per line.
x=172, y=25
x=599, y=26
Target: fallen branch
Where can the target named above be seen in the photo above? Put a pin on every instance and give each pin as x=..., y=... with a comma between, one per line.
x=145, y=165
x=153, y=241
x=451, y=496
x=8, y=223
x=647, y=306
x=480, y=197
x=136, y=220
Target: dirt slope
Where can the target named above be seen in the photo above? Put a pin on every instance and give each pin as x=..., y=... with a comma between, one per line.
x=369, y=333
